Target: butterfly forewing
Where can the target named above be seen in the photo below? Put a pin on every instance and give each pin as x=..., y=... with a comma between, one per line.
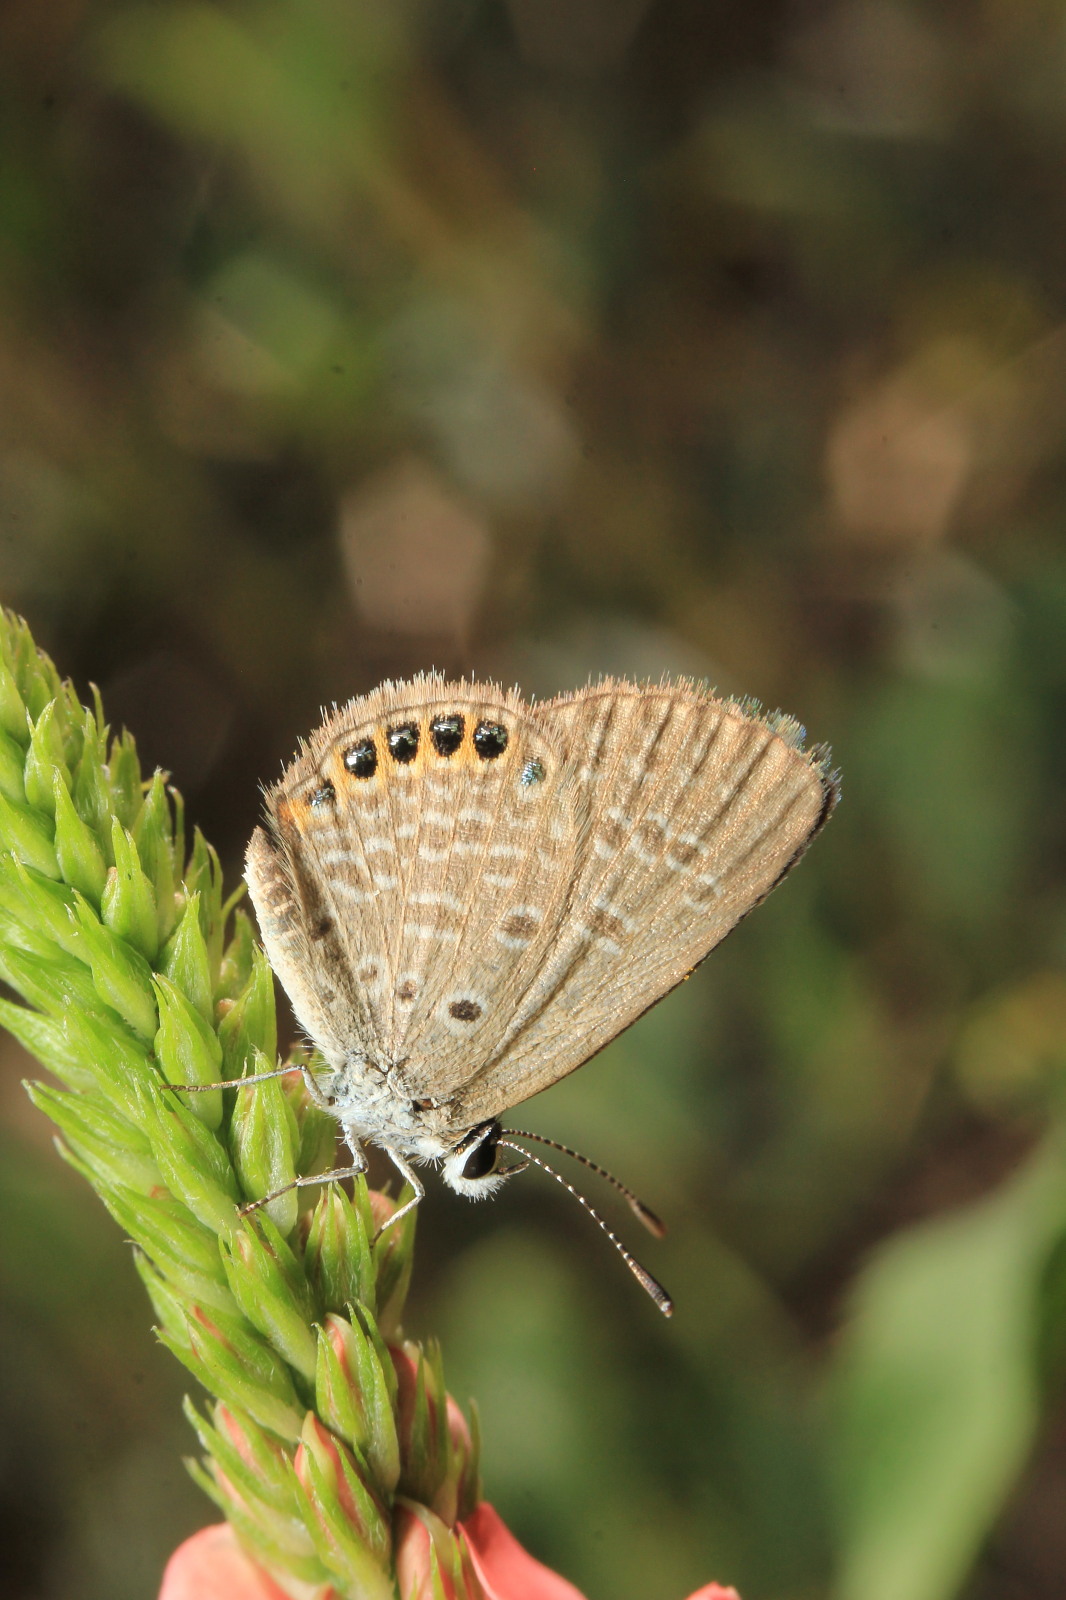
x=434, y=824
x=690, y=811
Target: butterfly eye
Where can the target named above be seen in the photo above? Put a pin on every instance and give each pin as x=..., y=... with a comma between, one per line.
x=447, y=734
x=490, y=740
x=403, y=742
x=482, y=1160
x=362, y=760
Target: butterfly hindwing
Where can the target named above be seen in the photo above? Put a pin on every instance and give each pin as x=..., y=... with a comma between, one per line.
x=691, y=810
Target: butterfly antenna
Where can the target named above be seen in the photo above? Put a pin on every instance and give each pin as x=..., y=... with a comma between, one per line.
x=645, y=1213
x=649, y=1284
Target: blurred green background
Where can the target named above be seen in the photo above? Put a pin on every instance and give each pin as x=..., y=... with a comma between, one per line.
x=535, y=339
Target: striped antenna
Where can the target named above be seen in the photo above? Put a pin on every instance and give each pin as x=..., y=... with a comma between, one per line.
x=649, y=1284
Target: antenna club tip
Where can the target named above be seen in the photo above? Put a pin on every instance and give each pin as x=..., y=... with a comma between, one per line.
x=654, y=1224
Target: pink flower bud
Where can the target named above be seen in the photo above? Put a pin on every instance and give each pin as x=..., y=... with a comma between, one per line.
x=439, y=1460
x=225, y=1420
x=431, y=1562
x=265, y=1459
x=409, y=1364
x=381, y=1207
x=461, y=1489
x=458, y=1429
x=339, y=1471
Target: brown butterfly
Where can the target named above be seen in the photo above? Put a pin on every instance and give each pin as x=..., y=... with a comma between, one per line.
x=466, y=896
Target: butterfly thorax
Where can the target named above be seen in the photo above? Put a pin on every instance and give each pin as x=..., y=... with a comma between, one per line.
x=371, y=1106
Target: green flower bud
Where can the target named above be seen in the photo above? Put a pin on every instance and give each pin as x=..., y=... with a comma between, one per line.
x=28, y=836
x=12, y=769
x=91, y=791
x=108, y=1049
x=12, y=707
x=153, y=835
x=48, y=979
x=177, y=853
x=41, y=903
x=39, y=682
x=268, y=1287
x=167, y=1305
x=127, y=905
x=238, y=958
x=354, y=1387
x=251, y=1477
x=124, y=772
x=70, y=716
x=393, y=1261
x=337, y=1256
x=345, y=1518
x=266, y=1538
x=47, y=1039
x=14, y=934
x=263, y=1140
x=188, y=1051
x=422, y=1421
x=249, y=1028
x=255, y=1464
x=44, y=759
x=203, y=876
x=78, y=851
x=184, y=1252
x=105, y=1141
x=186, y=963
x=192, y=1161
x=121, y=974
x=84, y=1049
x=236, y=1365
x=318, y=1128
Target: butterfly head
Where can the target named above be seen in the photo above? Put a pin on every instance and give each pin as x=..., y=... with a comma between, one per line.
x=472, y=1167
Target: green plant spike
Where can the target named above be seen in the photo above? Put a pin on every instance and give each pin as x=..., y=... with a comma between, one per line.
x=139, y=980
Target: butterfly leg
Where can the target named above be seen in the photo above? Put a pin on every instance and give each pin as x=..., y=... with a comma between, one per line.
x=314, y=1088
x=410, y=1177
x=357, y=1167
x=321, y=1099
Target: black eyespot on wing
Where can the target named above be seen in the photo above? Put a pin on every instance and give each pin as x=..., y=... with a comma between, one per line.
x=362, y=759
x=403, y=742
x=447, y=734
x=490, y=740
x=481, y=1161
x=464, y=1010
x=532, y=772
x=322, y=795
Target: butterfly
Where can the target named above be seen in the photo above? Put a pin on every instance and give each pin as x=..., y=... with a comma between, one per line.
x=466, y=895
